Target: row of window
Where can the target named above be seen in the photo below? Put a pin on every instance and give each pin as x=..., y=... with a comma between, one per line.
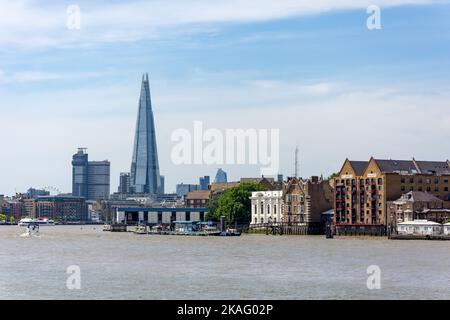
x=421, y=180
x=420, y=188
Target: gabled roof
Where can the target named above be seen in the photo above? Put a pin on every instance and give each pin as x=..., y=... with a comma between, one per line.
x=359, y=166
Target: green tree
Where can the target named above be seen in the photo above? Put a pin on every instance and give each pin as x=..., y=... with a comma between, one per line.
x=235, y=204
x=2, y=217
x=11, y=219
x=333, y=175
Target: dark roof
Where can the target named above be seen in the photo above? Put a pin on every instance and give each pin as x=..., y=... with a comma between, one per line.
x=359, y=166
x=434, y=167
x=423, y=196
x=396, y=166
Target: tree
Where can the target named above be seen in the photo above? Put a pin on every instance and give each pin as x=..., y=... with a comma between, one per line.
x=11, y=219
x=333, y=175
x=235, y=204
x=2, y=217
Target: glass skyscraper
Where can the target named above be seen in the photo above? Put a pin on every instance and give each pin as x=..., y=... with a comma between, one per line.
x=90, y=179
x=80, y=173
x=144, y=176
x=221, y=176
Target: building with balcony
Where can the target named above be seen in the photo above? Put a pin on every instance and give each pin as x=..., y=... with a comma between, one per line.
x=62, y=208
x=363, y=189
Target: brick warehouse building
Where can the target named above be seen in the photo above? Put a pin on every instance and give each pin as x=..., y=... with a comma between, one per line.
x=362, y=189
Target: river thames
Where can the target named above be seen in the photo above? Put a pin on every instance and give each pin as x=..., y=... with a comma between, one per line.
x=130, y=266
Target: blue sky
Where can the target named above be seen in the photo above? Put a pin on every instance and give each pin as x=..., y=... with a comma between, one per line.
x=310, y=68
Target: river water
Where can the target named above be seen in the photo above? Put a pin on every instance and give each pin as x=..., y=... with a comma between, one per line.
x=129, y=266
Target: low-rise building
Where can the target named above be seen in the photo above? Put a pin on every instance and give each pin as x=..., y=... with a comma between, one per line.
x=198, y=198
x=266, y=207
x=420, y=227
x=159, y=215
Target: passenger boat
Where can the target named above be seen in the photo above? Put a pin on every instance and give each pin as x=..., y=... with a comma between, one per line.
x=40, y=221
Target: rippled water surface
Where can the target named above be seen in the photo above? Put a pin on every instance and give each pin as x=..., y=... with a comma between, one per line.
x=129, y=266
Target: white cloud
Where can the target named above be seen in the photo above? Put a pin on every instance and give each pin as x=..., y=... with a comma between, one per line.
x=33, y=23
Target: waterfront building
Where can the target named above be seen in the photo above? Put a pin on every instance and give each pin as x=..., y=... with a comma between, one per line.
x=11, y=208
x=198, y=198
x=363, y=189
x=29, y=207
x=305, y=200
x=266, y=206
x=221, y=176
x=145, y=177
x=159, y=215
x=204, y=183
x=420, y=227
x=62, y=208
x=418, y=205
x=447, y=229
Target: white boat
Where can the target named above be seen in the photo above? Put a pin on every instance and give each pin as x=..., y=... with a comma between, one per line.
x=40, y=221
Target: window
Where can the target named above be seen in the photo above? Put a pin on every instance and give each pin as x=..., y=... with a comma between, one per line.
x=402, y=180
x=411, y=180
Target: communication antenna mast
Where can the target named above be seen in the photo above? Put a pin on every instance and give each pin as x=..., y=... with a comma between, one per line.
x=296, y=162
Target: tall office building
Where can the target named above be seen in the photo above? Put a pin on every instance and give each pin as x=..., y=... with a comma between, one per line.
x=90, y=179
x=80, y=173
x=124, y=183
x=204, y=182
x=145, y=176
x=98, y=180
x=221, y=176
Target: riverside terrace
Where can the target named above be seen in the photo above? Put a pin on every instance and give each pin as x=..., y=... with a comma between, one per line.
x=158, y=215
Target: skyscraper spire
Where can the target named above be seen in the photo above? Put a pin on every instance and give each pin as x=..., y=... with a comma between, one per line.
x=145, y=177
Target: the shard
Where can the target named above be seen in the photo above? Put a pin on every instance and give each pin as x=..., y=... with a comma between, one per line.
x=145, y=177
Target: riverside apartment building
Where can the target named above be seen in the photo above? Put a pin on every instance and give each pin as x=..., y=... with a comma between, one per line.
x=363, y=188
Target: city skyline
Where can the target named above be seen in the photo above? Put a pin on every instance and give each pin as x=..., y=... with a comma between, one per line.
x=318, y=63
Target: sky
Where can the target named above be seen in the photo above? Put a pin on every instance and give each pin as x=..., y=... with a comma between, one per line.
x=311, y=69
